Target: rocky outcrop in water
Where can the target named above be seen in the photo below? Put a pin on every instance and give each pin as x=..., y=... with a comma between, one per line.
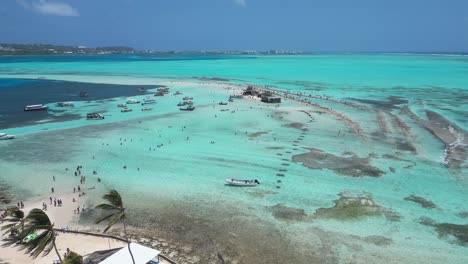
x=353, y=166
x=454, y=137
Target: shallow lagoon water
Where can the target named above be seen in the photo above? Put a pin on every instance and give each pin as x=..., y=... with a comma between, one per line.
x=181, y=183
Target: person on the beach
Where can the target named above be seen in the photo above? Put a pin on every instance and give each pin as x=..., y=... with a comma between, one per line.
x=52, y=189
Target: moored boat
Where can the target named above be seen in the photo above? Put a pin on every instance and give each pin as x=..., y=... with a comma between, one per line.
x=94, y=116
x=148, y=101
x=185, y=103
x=177, y=93
x=146, y=109
x=35, y=107
x=188, y=108
x=5, y=136
x=133, y=101
x=222, y=103
x=65, y=104
x=187, y=98
x=122, y=105
x=237, y=182
x=125, y=110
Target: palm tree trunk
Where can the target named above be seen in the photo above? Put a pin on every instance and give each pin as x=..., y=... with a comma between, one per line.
x=56, y=251
x=128, y=241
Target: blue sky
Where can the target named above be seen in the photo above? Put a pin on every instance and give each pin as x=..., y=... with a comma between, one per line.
x=309, y=25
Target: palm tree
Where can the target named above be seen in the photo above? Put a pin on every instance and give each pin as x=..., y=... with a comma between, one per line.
x=117, y=214
x=37, y=221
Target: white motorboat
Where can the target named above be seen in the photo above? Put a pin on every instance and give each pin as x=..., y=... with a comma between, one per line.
x=237, y=182
x=148, y=101
x=35, y=107
x=4, y=136
x=125, y=110
x=133, y=101
x=121, y=105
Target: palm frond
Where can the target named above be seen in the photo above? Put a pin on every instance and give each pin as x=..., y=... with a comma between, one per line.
x=15, y=212
x=107, y=207
x=37, y=217
x=114, y=198
x=42, y=244
x=99, y=220
x=118, y=217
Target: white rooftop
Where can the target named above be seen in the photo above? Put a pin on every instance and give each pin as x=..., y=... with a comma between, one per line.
x=141, y=254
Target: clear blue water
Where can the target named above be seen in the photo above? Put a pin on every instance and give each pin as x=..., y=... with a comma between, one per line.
x=181, y=182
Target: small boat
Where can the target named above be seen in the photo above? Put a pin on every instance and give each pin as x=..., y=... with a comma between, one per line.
x=231, y=100
x=148, y=101
x=65, y=104
x=142, y=89
x=177, y=93
x=222, y=103
x=186, y=98
x=125, y=110
x=122, y=105
x=164, y=90
x=133, y=101
x=94, y=116
x=83, y=94
x=4, y=136
x=147, y=109
x=188, y=108
x=35, y=107
x=185, y=103
x=237, y=182
x=159, y=93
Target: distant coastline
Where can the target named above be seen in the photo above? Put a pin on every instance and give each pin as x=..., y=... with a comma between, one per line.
x=47, y=49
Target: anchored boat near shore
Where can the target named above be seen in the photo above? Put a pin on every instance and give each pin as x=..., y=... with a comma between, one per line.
x=236, y=182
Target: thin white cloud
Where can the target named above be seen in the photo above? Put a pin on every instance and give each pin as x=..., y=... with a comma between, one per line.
x=242, y=3
x=50, y=7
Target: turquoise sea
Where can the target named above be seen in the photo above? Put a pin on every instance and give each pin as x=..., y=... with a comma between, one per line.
x=366, y=164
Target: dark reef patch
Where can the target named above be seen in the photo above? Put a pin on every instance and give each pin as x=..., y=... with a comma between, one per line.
x=349, y=166
x=285, y=213
x=454, y=137
x=463, y=215
x=296, y=125
x=392, y=102
x=448, y=230
x=257, y=134
x=353, y=207
x=420, y=200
